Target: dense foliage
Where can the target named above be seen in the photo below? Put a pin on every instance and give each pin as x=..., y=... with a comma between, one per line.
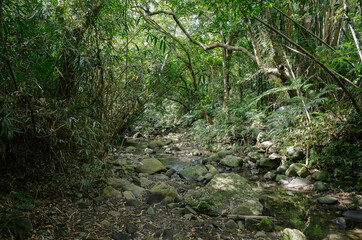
x=76, y=74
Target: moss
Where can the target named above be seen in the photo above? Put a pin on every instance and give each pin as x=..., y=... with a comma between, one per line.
x=266, y=225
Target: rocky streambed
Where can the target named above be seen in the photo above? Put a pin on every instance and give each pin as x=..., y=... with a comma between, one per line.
x=170, y=188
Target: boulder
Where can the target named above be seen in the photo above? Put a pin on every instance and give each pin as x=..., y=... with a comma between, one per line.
x=193, y=171
x=319, y=186
x=282, y=168
x=266, y=225
x=126, y=185
x=254, y=156
x=110, y=192
x=155, y=144
x=297, y=156
x=293, y=234
x=267, y=162
x=266, y=144
x=149, y=150
x=250, y=207
x=290, y=150
x=298, y=182
x=231, y=161
x=293, y=169
x=225, y=191
x=303, y=172
x=231, y=224
x=320, y=175
x=168, y=192
x=150, y=166
x=327, y=200
x=275, y=157
x=269, y=176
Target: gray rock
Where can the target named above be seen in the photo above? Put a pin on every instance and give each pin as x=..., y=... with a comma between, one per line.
x=266, y=144
x=149, y=150
x=126, y=185
x=340, y=221
x=319, y=186
x=250, y=207
x=231, y=161
x=220, y=194
x=130, y=149
x=179, y=236
x=133, y=202
x=298, y=182
x=337, y=236
x=293, y=234
x=128, y=195
x=260, y=234
x=355, y=215
x=150, y=166
x=269, y=176
x=161, y=177
x=231, y=224
x=195, y=152
x=110, y=192
x=290, y=150
x=327, y=200
x=275, y=157
x=144, y=182
x=150, y=211
x=293, y=169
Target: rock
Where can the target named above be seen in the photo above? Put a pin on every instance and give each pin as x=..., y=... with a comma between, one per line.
x=275, y=157
x=150, y=211
x=241, y=225
x=319, y=186
x=327, y=200
x=189, y=209
x=120, y=162
x=340, y=221
x=280, y=177
x=166, y=190
x=293, y=234
x=155, y=198
x=212, y=169
x=149, y=150
x=266, y=225
x=269, y=176
x=195, y=152
x=150, y=166
x=266, y=144
x=290, y=150
x=336, y=236
x=126, y=185
x=267, y=162
x=320, y=175
x=156, y=144
x=130, y=149
x=223, y=192
x=106, y=224
x=250, y=207
x=137, y=135
x=254, y=156
x=293, y=169
x=131, y=228
x=193, y=171
x=128, y=195
x=231, y=161
x=144, y=182
x=260, y=234
x=231, y=224
x=298, y=182
x=224, y=153
x=355, y=215
x=297, y=156
x=303, y=172
x=110, y=192
x=161, y=177
x=282, y=168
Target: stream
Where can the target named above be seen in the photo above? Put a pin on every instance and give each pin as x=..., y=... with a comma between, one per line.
x=293, y=206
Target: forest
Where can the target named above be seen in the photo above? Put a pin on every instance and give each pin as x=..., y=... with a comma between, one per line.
x=151, y=119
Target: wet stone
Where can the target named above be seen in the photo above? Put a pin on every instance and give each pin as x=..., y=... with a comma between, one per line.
x=327, y=200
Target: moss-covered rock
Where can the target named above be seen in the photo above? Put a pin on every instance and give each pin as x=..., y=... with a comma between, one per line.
x=110, y=192
x=266, y=225
x=150, y=166
x=225, y=191
x=167, y=191
x=155, y=144
x=293, y=234
x=231, y=161
x=194, y=171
